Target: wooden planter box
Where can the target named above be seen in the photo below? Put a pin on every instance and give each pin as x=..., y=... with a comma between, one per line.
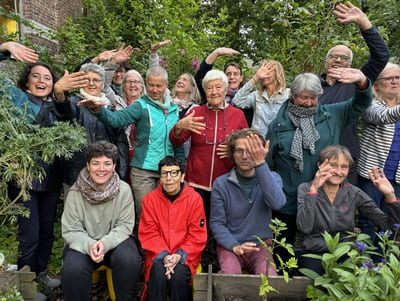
x=22, y=279
x=220, y=287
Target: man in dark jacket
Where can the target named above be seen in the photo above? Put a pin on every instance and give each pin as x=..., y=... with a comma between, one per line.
x=340, y=56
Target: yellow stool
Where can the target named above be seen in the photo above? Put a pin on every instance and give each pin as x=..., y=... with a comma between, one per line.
x=110, y=286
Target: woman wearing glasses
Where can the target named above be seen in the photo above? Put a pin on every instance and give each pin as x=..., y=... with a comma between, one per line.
x=380, y=141
x=208, y=126
x=96, y=130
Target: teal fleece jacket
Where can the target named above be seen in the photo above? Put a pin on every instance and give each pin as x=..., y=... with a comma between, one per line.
x=152, y=129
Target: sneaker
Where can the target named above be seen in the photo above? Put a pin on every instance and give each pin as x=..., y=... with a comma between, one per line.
x=46, y=280
x=40, y=297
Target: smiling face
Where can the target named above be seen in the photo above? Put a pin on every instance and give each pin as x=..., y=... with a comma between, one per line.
x=118, y=75
x=171, y=178
x=100, y=170
x=234, y=77
x=95, y=84
x=40, y=81
x=338, y=57
x=339, y=169
x=387, y=84
x=215, y=94
x=133, y=87
x=305, y=99
x=183, y=85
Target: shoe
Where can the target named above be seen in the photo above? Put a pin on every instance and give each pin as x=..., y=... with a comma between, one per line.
x=40, y=297
x=46, y=280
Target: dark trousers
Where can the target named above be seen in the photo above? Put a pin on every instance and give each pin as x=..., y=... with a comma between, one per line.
x=77, y=269
x=35, y=233
x=177, y=288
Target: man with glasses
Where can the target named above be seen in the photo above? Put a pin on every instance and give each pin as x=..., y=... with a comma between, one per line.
x=173, y=233
x=340, y=56
x=241, y=205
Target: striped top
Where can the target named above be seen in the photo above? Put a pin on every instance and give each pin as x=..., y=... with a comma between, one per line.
x=377, y=135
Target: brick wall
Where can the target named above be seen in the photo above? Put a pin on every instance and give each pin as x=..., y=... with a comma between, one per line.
x=47, y=15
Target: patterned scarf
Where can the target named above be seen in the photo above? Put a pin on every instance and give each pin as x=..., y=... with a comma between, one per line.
x=305, y=135
x=182, y=104
x=91, y=193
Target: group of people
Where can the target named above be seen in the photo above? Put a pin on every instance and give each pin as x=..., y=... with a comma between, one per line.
x=197, y=172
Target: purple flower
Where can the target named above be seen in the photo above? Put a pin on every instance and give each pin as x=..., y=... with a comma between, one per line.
x=183, y=51
x=360, y=246
x=397, y=226
x=387, y=233
x=368, y=265
x=195, y=63
x=383, y=260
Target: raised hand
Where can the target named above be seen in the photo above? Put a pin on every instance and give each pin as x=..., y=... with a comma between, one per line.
x=323, y=173
x=221, y=51
x=191, y=123
x=255, y=149
x=348, y=13
x=20, y=52
x=156, y=46
x=69, y=82
x=122, y=54
x=378, y=178
x=104, y=56
x=348, y=76
x=266, y=70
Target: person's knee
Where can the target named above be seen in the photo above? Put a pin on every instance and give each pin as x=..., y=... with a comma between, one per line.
x=181, y=276
x=126, y=256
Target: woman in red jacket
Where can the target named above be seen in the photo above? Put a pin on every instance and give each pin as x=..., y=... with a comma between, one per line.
x=173, y=232
x=208, y=126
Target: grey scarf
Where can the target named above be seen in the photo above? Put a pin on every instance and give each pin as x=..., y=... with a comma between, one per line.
x=92, y=193
x=305, y=135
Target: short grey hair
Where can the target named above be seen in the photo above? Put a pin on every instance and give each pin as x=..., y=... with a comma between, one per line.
x=306, y=81
x=90, y=67
x=330, y=50
x=157, y=71
x=213, y=75
x=129, y=72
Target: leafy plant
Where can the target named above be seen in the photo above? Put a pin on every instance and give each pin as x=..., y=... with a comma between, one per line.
x=24, y=145
x=11, y=294
x=277, y=228
x=351, y=274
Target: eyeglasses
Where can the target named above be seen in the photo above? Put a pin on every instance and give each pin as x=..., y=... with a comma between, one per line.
x=94, y=80
x=134, y=82
x=389, y=78
x=336, y=56
x=172, y=173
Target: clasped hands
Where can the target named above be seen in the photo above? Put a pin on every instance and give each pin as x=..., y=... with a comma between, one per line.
x=170, y=261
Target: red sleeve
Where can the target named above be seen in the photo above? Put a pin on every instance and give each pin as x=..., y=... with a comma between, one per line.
x=179, y=140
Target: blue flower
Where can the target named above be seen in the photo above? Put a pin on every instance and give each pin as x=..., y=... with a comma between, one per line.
x=397, y=226
x=368, y=265
x=387, y=233
x=360, y=246
x=383, y=260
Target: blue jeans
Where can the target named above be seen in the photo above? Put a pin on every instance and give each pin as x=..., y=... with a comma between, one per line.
x=369, y=188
